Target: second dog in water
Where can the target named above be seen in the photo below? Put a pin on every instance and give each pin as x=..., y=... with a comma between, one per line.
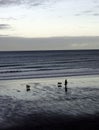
x=27, y=87
x=59, y=84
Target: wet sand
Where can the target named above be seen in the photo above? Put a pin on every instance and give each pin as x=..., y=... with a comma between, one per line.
x=42, y=122
x=46, y=106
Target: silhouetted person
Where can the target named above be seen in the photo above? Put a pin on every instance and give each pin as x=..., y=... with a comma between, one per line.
x=65, y=82
x=65, y=85
x=27, y=87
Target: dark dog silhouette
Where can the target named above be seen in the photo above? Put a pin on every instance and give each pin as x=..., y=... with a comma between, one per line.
x=27, y=87
x=59, y=84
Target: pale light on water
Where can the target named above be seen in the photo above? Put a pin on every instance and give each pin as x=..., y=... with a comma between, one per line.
x=82, y=98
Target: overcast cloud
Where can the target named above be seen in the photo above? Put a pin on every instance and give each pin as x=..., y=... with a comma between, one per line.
x=23, y=2
x=53, y=43
x=28, y=24
x=4, y=26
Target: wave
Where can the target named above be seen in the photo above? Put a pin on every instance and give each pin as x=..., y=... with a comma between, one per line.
x=48, y=63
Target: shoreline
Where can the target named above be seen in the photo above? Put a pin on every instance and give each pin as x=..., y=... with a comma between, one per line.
x=73, y=82
x=50, y=77
x=47, y=107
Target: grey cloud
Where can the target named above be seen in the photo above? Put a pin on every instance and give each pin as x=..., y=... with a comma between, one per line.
x=78, y=14
x=95, y=1
x=85, y=12
x=93, y=9
x=35, y=4
x=9, y=2
x=88, y=12
x=4, y=26
x=28, y=3
x=97, y=6
x=8, y=18
x=31, y=2
x=52, y=43
x=95, y=14
x=3, y=35
x=22, y=2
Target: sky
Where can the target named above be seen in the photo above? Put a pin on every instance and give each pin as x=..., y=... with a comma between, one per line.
x=49, y=24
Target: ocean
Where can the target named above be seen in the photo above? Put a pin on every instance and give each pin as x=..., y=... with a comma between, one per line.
x=41, y=64
x=47, y=106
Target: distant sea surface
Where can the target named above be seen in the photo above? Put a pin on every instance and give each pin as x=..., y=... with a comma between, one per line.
x=41, y=64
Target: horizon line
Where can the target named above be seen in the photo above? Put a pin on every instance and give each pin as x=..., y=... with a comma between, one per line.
x=49, y=50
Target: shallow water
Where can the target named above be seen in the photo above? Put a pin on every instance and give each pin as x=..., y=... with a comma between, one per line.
x=45, y=98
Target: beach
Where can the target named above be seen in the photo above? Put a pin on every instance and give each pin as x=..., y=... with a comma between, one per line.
x=47, y=106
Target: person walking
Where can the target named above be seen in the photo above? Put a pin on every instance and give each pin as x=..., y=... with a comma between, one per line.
x=65, y=85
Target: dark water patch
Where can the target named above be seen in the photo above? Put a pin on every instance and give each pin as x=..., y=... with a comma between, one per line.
x=10, y=65
x=13, y=71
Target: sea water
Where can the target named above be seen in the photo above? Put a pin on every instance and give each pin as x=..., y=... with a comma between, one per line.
x=41, y=64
